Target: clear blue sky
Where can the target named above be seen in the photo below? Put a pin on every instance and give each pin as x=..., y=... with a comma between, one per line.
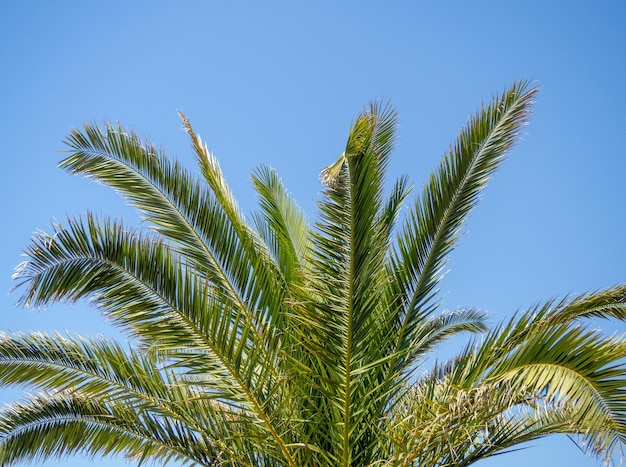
x=280, y=82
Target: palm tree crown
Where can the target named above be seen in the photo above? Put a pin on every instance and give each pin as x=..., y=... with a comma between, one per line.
x=283, y=343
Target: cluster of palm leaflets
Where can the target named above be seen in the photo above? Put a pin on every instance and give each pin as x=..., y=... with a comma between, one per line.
x=277, y=342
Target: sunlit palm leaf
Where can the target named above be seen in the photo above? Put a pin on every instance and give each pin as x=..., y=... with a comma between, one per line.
x=533, y=376
x=139, y=284
x=55, y=425
x=185, y=211
x=439, y=213
x=281, y=224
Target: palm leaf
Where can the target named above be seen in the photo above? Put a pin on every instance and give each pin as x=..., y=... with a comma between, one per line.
x=202, y=223
x=53, y=426
x=341, y=317
x=281, y=224
x=535, y=376
x=436, y=220
x=139, y=284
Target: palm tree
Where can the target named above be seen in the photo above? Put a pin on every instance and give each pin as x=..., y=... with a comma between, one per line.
x=284, y=343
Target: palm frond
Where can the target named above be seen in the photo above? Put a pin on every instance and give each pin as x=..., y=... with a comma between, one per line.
x=608, y=303
x=182, y=209
x=50, y=426
x=282, y=225
x=579, y=369
x=139, y=284
x=548, y=377
x=344, y=319
x=245, y=259
x=434, y=330
x=174, y=202
x=96, y=367
x=436, y=220
x=136, y=280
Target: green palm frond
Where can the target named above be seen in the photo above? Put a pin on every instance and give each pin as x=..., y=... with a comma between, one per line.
x=535, y=376
x=343, y=323
x=282, y=225
x=436, y=219
x=202, y=223
x=579, y=369
x=55, y=425
x=139, y=284
x=98, y=370
x=435, y=330
x=609, y=303
x=174, y=202
x=237, y=246
x=136, y=280
x=97, y=367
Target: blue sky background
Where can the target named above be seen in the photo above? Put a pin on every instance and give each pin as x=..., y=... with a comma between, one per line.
x=280, y=82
